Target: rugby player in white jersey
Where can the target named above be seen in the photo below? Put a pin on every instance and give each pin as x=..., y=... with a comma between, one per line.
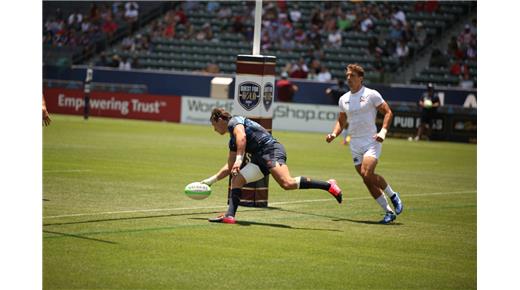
x=359, y=108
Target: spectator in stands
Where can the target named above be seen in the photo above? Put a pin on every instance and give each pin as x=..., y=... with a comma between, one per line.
x=74, y=20
x=287, y=41
x=299, y=70
x=453, y=48
x=324, y=75
x=330, y=25
x=465, y=38
x=265, y=40
x=115, y=61
x=275, y=33
x=238, y=24
x=142, y=42
x=471, y=52
x=466, y=82
x=429, y=6
x=295, y=14
x=109, y=28
x=128, y=43
x=131, y=11
x=169, y=30
x=189, y=30
x=459, y=68
x=429, y=102
x=314, y=36
x=125, y=64
x=212, y=6
x=224, y=12
x=300, y=38
x=212, y=68
x=366, y=24
x=205, y=33
x=317, y=17
x=285, y=89
x=402, y=51
x=344, y=23
x=335, y=39
x=420, y=34
x=118, y=10
x=395, y=33
x=398, y=15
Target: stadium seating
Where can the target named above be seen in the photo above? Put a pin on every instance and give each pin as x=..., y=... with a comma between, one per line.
x=186, y=53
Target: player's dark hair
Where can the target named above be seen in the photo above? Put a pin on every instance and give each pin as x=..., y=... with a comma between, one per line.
x=219, y=113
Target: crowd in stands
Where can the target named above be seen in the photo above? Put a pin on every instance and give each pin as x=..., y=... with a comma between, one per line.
x=286, y=27
x=82, y=30
x=461, y=50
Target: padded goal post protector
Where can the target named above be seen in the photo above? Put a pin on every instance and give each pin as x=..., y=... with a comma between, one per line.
x=254, y=98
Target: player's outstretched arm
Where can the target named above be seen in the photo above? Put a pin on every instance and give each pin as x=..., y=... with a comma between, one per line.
x=223, y=172
x=338, y=128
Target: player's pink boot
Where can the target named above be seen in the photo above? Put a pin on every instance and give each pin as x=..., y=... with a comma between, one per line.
x=223, y=219
x=335, y=190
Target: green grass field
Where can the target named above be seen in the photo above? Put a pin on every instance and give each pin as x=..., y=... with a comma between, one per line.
x=115, y=215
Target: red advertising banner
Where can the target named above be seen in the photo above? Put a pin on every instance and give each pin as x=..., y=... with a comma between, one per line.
x=114, y=104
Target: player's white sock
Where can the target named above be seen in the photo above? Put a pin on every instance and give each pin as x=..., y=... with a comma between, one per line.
x=384, y=203
x=298, y=180
x=389, y=191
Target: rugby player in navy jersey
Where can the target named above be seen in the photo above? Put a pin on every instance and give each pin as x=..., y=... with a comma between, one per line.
x=268, y=156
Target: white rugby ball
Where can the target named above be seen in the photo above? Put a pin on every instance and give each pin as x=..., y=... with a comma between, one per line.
x=197, y=190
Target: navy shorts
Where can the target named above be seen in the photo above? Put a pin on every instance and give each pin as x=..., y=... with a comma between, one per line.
x=269, y=156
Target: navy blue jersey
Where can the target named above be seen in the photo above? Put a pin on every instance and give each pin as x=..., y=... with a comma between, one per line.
x=257, y=136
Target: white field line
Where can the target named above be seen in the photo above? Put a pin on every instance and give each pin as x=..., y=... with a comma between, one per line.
x=217, y=207
x=67, y=170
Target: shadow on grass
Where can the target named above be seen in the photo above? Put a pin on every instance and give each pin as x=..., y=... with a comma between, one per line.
x=251, y=223
x=337, y=219
x=128, y=218
x=135, y=218
x=79, y=237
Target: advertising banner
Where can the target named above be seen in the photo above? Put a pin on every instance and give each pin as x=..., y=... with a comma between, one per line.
x=114, y=104
x=289, y=117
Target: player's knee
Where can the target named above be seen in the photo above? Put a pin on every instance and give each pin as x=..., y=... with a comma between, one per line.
x=287, y=184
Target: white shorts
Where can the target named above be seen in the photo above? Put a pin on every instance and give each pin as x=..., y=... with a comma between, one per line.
x=364, y=146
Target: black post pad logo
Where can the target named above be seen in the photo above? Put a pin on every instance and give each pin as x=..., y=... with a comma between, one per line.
x=268, y=95
x=249, y=95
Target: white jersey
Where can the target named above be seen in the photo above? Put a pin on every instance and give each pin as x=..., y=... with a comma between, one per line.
x=361, y=109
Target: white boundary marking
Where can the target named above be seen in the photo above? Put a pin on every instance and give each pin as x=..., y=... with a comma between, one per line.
x=216, y=207
x=67, y=170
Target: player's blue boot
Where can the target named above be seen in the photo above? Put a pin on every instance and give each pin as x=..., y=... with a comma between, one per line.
x=396, y=201
x=389, y=217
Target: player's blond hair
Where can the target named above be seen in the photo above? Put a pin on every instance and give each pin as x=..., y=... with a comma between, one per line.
x=219, y=113
x=356, y=68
